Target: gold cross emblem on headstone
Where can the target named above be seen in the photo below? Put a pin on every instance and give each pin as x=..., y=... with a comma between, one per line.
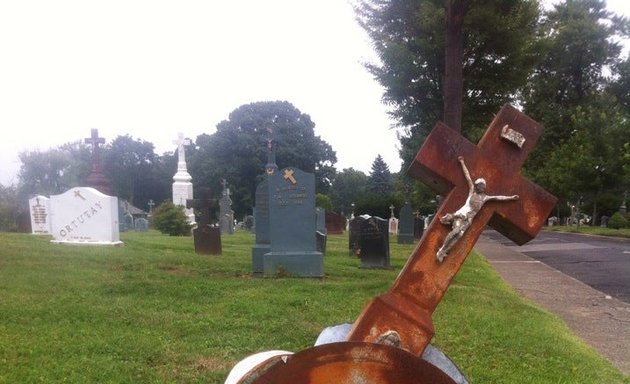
x=288, y=175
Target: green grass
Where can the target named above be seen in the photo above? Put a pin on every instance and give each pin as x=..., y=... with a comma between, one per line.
x=623, y=232
x=153, y=311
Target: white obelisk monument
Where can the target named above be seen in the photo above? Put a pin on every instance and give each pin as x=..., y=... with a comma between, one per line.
x=182, y=186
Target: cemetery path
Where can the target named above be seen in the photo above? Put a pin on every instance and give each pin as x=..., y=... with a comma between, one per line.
x=601, y=321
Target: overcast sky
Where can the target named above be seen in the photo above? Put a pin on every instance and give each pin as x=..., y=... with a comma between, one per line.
x=152, y=69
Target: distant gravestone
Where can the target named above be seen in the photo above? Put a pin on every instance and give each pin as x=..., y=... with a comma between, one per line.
x=207, y=239
x=320, y=214
x=292, y=223
x=128, y=218
x=406, y=225
x=84, y=215
x=321, y=234
x=141, y=224
x=261, y=220
x=320, y=241
x=418, y=226
x=374, y=242
x=226, y=214
x=335, y=223
x=354, y=235
x=40, y=215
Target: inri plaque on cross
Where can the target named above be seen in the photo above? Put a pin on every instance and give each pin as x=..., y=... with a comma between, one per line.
x=400, y=320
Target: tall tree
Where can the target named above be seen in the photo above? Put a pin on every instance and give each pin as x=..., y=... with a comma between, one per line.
x=577, y=47
x=237, y=152
x=347, y=187
x=55, y=170
x=129, y=164
x=380, y=179
x=582, y=108
x=413, y=39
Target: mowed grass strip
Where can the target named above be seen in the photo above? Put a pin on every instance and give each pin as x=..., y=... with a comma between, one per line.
x=153, y=311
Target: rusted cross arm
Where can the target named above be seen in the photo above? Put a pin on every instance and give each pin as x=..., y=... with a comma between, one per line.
x=407, y=308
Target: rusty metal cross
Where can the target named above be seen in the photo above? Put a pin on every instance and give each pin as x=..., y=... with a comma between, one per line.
x=407, y=308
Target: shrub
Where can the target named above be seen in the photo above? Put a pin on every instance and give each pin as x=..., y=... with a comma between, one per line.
x=171, y=219
x=617, y=221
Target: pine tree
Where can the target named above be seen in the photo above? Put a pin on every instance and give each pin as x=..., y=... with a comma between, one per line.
x=380, y=178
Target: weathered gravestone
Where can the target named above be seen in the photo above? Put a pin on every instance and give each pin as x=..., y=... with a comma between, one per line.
x=84, y=215
x=207, y=239
x=125, y=218
x=418, y=226
x=393, y=222
x=335, y=223
x=320, y=218
x=40, y=212
x=406, y=225
x=141, y=224
x=395, y=328
x=321, y=234
x=226, y=214
x=292, y=225
x=354, y=234
x=261, y=220
x=374, y=243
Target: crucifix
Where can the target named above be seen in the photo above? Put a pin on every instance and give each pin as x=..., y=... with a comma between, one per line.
x=394, y=329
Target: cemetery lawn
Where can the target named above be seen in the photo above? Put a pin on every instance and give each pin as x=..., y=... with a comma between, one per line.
x=152, y=311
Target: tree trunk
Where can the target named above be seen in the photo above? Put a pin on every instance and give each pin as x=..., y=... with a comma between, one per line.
x=454, y=62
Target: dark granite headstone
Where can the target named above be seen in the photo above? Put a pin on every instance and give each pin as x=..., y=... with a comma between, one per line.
x=292, y=225
x=335, y=223
x=374, y=242
x=418, y=226
x=261, y=220
x=321, y=239
x=354, y=236
x=207, y=239
x=405, y=225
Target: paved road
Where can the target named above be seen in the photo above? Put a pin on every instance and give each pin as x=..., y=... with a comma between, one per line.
x=600, y=262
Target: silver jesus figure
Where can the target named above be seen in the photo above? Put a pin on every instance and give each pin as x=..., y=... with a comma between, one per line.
x=463, y=217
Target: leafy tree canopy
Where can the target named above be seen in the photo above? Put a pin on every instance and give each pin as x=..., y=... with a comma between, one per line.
x=237, y=152
x=348, y=186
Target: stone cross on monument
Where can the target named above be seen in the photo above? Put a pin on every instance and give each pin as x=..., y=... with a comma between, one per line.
x=96, y=179
x=271, y=167
x=394, y=329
